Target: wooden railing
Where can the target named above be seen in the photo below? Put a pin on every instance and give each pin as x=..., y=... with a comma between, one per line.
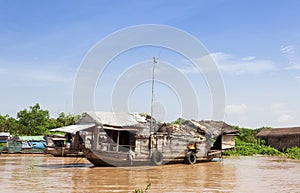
x=115, y=147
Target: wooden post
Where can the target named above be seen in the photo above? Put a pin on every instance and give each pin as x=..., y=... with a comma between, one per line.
x=96, y=138
x=221, y=142
x=118, y=140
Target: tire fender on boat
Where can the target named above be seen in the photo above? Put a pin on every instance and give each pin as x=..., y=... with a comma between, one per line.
x=131, y=155
x=190, y=157
x=157, y=158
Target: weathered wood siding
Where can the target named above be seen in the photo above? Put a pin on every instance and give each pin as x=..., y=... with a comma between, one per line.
x=142, y=147
x=284, y=142
x=228, y=142
x=174, y=146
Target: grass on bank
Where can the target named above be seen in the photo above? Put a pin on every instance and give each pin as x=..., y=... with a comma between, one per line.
x=293, y=153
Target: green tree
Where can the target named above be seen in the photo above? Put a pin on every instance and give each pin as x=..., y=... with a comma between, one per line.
x=178, y=121
x=248, y=135
x=12, y=126
x=8, y=124
x=3, y=124
x=65, y=120
x=34, y=121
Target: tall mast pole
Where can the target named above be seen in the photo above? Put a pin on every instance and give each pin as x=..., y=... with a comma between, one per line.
x=152, y=94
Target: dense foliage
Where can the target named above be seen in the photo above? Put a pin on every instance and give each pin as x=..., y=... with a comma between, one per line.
x=247, y=149
x=293, y=153
x=247, y=135
x=34, y=121
x=248, y=145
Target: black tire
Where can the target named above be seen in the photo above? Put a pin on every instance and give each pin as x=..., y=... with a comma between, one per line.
x=157, y=158
x=191, y=158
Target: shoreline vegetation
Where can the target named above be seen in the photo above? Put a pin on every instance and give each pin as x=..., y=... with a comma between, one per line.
x=246, y=144
x=36, y=121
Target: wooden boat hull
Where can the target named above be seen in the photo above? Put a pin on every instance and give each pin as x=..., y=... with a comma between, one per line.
x=63, y=152
x=101, y=158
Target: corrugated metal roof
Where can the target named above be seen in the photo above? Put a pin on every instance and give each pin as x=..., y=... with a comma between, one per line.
x=73, y=128
x=4, y=134
x=279, y=132
x=32, y=138
x=120, y=119
x=121, y=128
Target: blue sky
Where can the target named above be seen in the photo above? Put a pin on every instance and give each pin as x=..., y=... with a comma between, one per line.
x=256, y=45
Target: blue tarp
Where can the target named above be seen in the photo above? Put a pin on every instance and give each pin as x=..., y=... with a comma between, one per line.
x=37, y=144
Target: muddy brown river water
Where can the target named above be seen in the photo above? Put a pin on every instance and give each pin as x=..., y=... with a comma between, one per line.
x=43, y=173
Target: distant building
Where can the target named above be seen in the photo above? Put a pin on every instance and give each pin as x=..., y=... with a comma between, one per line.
x=280, y=138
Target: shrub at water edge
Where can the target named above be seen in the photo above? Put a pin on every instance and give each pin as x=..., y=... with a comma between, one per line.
x=293, y=153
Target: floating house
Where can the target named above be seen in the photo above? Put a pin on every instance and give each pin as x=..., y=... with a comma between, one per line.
x=124, y=139
x=280, y=138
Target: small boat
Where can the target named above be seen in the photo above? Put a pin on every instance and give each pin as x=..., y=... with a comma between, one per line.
x=63, y=152
x=4, y=137
x=124, y=139
x=64, y=146
x=24, y=145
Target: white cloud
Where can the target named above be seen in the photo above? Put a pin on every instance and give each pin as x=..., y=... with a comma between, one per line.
x=236, y=109
x=279, y=107
x=246, y=65
x=289, y=49
x=293, y=61
x=229, y=64
x=189, y=69
x=282, y=112
x=2, y=70
x=293, y=67
x=249, y=58
x=51, y=76
x=220, y=56
x=205, y=63
x=40, y=74
x=286, y=118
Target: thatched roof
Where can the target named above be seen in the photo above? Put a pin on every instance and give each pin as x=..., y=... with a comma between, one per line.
x=208, y=128
x=219, y=126
x=277, y=132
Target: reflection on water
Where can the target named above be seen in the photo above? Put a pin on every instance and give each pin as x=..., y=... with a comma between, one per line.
x=40, y=173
